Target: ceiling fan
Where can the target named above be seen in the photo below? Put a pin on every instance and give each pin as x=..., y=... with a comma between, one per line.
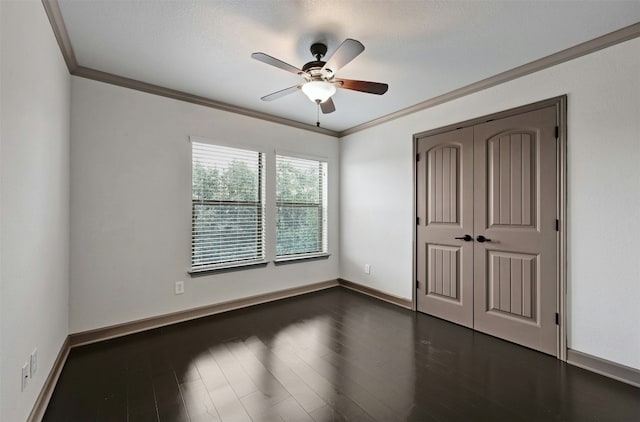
x=319, y=76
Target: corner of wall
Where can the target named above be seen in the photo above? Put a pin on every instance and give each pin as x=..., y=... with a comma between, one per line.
x=34, y=203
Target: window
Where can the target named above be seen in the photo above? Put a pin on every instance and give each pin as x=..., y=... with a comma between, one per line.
x=301, y=199
x=227, y=206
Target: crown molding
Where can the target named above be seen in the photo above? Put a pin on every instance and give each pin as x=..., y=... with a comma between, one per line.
x=110, y=78
x=52, y=9
x=570, y=53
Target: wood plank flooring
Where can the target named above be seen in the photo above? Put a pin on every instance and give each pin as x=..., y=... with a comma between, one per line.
x=333, y=355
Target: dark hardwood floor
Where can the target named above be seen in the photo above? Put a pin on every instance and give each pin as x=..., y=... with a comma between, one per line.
x=334, y=355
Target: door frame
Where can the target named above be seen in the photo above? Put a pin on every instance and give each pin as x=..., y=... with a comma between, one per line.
x=560, y=104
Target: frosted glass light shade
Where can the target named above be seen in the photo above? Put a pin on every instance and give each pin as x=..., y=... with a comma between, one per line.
x=318, y=91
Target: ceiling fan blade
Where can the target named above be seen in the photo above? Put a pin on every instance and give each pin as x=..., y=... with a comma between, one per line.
x=328, y=106
x=281, y=93
x=265, y=58
x=347, y=51
x=362, y=86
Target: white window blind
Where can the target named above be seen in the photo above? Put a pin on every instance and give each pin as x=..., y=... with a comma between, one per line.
x=227, y=206
x=301, y=199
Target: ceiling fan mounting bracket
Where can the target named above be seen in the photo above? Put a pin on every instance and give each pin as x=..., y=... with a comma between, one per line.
x=318, y=50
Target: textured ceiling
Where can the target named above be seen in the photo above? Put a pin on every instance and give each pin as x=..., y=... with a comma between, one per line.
x=422, y=49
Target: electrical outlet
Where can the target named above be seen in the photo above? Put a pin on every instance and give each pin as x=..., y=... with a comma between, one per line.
x=367, y=269
x=25, y=376
x=179, y=287
x=33, y=363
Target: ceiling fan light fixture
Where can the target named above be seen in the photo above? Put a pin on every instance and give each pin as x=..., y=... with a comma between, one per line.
x=318, y=91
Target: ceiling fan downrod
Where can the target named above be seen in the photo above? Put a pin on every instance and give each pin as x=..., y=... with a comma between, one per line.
x=318, y=113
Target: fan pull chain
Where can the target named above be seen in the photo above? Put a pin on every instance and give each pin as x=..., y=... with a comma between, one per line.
x=318, y=114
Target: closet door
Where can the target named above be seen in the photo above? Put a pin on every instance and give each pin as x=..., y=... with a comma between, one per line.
x=444, y=200
x=515, y=239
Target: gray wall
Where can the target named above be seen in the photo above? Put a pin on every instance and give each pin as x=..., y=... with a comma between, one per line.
x=376, y=202
x=131, y=205
x=129, y=200
x=34, y=207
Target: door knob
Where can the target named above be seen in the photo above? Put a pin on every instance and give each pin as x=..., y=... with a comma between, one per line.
x=482, y=239
x=466, y=238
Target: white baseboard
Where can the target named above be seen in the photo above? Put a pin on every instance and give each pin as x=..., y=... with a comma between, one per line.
x=40, y=406
x=604, y=367
x=369, y=291
x=106, y=333
x=592, y=363
x=93, y=336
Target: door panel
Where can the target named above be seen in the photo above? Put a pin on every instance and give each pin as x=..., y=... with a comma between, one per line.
x=444, y=199
x=510, y=161
x=442, y=167
x=515, y=276
x=511, y=284
x=442, y=266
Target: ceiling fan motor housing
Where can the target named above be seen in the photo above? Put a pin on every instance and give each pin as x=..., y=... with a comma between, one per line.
x=318, y=50
x=313, y=65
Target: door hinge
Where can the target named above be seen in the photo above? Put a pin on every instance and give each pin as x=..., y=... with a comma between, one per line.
x=557, y=132
x=417, y=157
x=557, y=225
x=417, y=284
x=418, y=221
x=557, y=318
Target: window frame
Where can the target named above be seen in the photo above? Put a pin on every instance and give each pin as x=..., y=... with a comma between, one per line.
x=260, y=206
x=321, y=205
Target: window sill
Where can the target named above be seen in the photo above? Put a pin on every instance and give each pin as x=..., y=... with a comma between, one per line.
x=291, y=259
x=220, y=268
